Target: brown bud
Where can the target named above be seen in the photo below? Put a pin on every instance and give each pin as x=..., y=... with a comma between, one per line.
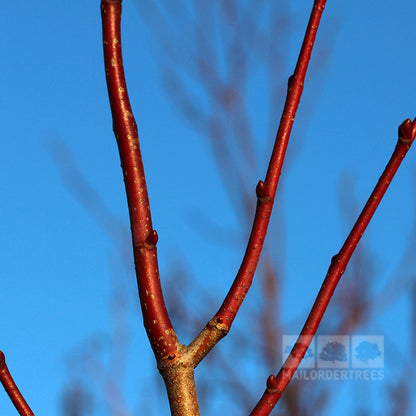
x=152, y=238
x=407, y=131
x=261, y=191
x=271, y=384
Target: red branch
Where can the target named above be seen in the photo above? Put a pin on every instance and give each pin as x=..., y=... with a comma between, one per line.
x=155, y=316
x=266, y=190
x=276, y=385
x=156, y=320
x=12, y=390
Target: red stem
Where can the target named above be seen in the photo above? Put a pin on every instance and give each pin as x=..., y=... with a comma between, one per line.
x=155, y=316
x=12, y=390
x=276, y=385
x=266, y=190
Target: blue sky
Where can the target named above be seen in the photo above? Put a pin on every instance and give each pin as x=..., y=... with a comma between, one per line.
x=58, y=263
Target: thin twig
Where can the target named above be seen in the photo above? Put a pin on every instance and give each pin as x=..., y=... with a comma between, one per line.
x=222, y=321
x=159, y=328
x=174, y=364
x=276, y=385
x=12, y=390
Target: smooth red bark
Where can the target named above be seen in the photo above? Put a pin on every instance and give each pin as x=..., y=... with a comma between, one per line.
x=155, y=316
x=276, y=385
x=266, y=190
x=12, y=390
x=171, y=356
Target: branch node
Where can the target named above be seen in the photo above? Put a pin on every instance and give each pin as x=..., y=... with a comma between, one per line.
x=261, y=192
x=335, y=260
x=407, y=131
x=218, y=325
x=271, y=384
x=290, y=81
x=152, y=238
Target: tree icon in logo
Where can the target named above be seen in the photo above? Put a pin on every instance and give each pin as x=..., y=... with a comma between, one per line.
x=308, y=354
x=366, y=351
x=333, y=351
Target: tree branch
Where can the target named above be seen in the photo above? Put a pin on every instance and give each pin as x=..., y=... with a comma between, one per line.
x=12, y=390
x=176, y=363
x=173, y=361
x=276, y=385
x=159, y=329
x=266, y=192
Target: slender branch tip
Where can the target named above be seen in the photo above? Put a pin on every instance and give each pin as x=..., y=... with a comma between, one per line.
x=407, y=131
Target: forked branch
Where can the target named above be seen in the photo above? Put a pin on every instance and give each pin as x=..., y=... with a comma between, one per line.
x=12, y=390
x=276, y=385
x=173, y=363
x=177, y=362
